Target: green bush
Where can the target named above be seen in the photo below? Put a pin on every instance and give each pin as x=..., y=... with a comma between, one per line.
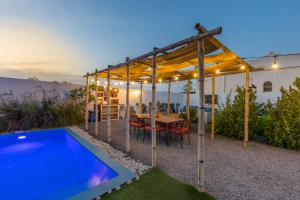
x=283, y=120
x=31, y=112
x=230, y=120
x=193, y=115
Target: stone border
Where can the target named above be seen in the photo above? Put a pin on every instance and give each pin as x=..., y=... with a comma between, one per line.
x=131, y=164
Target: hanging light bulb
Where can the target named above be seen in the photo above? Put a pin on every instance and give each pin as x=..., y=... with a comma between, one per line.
x=243, y=67
x=217, y=71
x=121, y=83
x=160, y=80
x=275, y=64
x=92, y=80
x=145, y=82
x=116, y=83
x=176, y=78
x=132, y=83
x=195, y=75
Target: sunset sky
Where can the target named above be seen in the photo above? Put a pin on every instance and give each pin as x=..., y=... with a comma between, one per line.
x=63, y=39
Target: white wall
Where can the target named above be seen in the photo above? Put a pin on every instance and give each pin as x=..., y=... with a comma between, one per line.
x=21, y=86
x=280, y=77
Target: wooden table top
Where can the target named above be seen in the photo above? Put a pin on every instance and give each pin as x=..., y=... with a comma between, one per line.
x=161, y=118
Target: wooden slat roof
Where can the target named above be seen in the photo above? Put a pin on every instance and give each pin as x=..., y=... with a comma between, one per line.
x=182, y=63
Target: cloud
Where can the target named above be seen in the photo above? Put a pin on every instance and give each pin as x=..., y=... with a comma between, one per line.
x=29, y=50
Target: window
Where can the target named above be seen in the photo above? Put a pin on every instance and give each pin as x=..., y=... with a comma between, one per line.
x=267, y=86
x=208, y=99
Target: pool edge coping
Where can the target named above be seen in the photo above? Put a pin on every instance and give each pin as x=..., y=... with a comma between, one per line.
x=124, y=174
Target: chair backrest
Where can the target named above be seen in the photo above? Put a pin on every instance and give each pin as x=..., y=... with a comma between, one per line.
x=186, y=124
x=147, y=121
x=133, y=118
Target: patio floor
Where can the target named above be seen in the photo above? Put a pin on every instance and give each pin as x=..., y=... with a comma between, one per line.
x=231, y=172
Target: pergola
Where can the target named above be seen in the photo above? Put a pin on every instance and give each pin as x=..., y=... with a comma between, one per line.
x=196, y=57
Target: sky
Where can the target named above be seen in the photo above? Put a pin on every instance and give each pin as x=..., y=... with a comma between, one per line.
x=61, y=40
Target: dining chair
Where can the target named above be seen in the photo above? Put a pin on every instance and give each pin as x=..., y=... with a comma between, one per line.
x=180, y=130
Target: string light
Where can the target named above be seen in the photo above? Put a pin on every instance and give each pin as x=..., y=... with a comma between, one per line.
x=132, y=83
x=176, y=78
x=242, y=67
x=217, y=71
x=145, y=81
x=275, y=64
x=195, y=75
x=121, y=83
x=116, y=83
x=92, y=80
x=160, y=80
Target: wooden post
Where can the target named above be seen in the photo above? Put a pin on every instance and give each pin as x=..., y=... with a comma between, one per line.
x=96, y=102
x=141, y=98
x=153, y=131
x=188, y=101
x=108, y=107
x=86, y=118
x=246, y=125
x=127, y=112
x=212, y=134
x=201, y=128
x=169, y=94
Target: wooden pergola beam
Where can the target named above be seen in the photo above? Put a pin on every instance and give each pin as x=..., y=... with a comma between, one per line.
x=153, y=130
x=246, y=120
x=169, y=97
x=212, y=134
x=127, y=112
x=86, y=114
x=108, y=122
x=96, y=102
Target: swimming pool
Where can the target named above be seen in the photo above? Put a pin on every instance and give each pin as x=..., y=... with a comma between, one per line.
x=55, y=164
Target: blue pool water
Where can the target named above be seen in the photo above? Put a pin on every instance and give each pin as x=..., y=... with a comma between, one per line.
x=48, y=164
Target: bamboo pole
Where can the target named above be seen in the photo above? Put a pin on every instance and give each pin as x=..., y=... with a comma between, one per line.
x=169, y=94
x=96, y=102
x=201, y=128
x=188, y=101
x=86, y=118
x=212, y=134
x=246, y=125
x=141, y=98
x=108, y=108
x=153, y=131
x=127, y=114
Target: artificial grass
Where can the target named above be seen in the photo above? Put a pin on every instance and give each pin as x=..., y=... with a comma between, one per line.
x=157, y=185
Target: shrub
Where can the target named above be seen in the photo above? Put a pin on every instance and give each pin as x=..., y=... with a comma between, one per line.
x=230, y=120
x=283, y=120
x=193, y=115
x=31, y=112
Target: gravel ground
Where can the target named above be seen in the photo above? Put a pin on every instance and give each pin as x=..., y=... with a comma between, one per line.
x=231, y=172
x=133, y=165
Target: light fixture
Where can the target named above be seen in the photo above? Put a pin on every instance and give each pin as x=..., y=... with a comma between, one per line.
x=275, y=64
x=116, y=83
x=145, y=81
x=121, y=83
x=92, y=80
x=132, y=83
x=176, y=78
x=242, y=67
x=105, y=83
x=22, y=137
x=160, y=80
x=195, y=75
x=217, y=71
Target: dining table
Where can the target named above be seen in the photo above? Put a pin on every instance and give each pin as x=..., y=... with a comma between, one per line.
x=162, y=119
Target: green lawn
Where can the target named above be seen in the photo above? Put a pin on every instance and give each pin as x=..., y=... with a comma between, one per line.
x=157, y=185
